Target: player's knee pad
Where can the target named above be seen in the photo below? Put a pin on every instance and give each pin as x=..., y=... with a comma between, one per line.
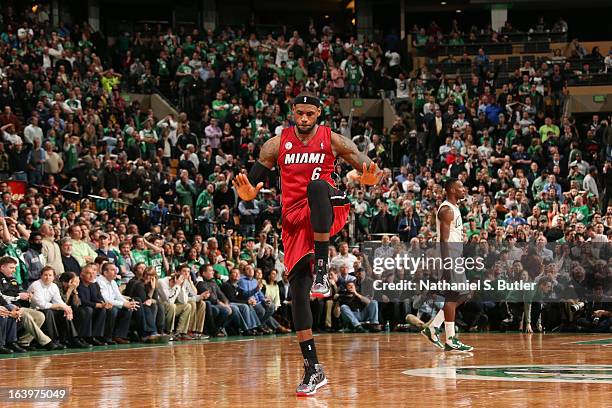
x=321, y=210
x=317, y=189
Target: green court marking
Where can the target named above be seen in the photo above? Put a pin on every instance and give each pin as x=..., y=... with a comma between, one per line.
x=131, y=346
x=592, y=374
x=598, y=342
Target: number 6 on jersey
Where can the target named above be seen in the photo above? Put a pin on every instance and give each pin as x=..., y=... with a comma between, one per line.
x=316, y=173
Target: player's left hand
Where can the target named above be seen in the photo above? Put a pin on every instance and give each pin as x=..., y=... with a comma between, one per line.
x=369, y=176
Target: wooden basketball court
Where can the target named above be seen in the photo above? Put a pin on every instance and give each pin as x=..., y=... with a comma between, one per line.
x=390, y=370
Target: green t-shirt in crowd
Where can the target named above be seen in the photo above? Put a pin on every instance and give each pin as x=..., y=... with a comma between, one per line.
x=185, y=69
x=142, y=256
x=157, y=262
x=16, y=249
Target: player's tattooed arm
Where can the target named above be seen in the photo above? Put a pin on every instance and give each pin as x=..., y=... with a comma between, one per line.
x=365, y=170
x=268, y=155
x=248, y=187
x=345, y=148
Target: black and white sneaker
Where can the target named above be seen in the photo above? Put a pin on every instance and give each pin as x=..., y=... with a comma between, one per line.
x=320, y=287
x=314, y=378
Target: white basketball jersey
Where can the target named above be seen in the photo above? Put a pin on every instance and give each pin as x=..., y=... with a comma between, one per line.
x=456, y=227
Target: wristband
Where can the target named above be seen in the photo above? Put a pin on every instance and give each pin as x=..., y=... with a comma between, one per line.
x=258, y=173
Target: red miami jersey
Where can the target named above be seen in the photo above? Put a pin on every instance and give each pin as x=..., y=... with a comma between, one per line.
x=299, y=164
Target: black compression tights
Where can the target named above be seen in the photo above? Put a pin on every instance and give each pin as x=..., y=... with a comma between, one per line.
x=321, y=211
x=300, y=280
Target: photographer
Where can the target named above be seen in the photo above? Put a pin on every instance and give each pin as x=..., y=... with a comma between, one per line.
x=597, y=317
x=357, y=310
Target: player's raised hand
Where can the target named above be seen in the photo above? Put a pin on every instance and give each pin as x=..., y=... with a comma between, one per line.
x=245, y=189
x=370, y=175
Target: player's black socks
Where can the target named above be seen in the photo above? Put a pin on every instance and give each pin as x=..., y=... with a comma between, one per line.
x=321, y=251
x=309, y=352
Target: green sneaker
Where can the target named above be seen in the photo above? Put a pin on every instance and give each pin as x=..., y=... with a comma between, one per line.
x=432, y=334
x=453, y=344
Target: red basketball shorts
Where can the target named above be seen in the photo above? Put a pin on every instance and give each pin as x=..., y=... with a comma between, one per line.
x=297, y=234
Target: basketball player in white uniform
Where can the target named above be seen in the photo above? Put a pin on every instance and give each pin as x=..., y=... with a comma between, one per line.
x=449, y=226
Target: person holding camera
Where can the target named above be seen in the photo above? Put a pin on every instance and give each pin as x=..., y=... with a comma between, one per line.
x=357, y=310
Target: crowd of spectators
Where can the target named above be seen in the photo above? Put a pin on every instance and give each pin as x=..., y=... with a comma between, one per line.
x=433, y=35
x=130, y=230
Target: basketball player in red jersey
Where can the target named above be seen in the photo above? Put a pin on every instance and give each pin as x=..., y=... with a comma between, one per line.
x=312, y=211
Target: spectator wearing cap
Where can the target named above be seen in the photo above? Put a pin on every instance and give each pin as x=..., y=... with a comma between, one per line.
x=105, y=250
x=33, y=257
x=73, y=187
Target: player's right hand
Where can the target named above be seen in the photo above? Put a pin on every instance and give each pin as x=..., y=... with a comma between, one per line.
x=245, y=189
